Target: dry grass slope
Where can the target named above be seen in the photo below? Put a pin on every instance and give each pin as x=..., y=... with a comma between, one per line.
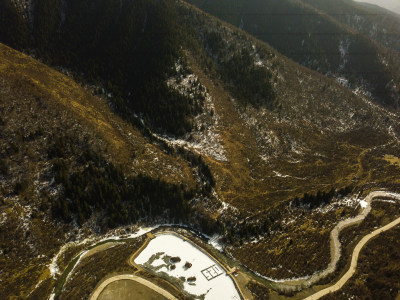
x=38, y=104
x=123, y=141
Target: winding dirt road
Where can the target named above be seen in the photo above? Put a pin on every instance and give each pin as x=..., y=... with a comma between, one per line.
x=302, y=283
x=149, y=284
x=338, y=285
x=336, y=249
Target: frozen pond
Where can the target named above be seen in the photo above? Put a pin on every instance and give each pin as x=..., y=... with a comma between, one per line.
x=211, y=281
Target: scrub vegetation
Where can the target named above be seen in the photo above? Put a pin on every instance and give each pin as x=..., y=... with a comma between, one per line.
x=341, y=39
x=93, y=269
x=377, y=268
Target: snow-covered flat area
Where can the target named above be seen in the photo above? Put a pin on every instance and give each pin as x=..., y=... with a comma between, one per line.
x=363, y=203
x=211, y=279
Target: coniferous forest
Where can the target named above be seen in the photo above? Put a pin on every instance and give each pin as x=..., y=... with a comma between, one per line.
x=129, y=47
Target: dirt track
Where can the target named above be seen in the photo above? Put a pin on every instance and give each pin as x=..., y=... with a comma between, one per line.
x=335, y=245
x=334, y=237
x=150, y=285
x=338, y=285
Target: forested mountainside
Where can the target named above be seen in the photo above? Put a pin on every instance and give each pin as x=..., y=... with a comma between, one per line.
x=377, y=23
x=149, y=58
x=127, y=49
x=336, y=38
x=161, y=112
x=131, y=51
x=69, y=167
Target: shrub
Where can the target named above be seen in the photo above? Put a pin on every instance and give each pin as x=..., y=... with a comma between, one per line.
x=3, y=167
x=21, y=186
x=175, y=259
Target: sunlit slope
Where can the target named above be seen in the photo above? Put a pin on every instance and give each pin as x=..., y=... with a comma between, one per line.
x=123, y=142
x=41, y=107
x=316, y=135
x=284, y=130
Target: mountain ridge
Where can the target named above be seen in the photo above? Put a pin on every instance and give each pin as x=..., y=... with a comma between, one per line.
x=316, y=37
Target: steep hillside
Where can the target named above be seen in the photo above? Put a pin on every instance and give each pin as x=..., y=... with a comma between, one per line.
x=309, y=122
x=314, y=34
x=377, y=23
x=70, y=168
x=109, y=43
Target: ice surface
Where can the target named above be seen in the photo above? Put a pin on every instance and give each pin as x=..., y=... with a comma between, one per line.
x=211, y=278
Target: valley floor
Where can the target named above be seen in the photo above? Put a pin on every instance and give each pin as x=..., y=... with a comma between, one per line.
x=248, y=283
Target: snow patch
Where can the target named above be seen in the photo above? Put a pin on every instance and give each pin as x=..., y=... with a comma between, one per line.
x=215, y=241
x=343, y=81
x=3, y=218
x=277, y=174
x=211, y=278
x=344, y=50
x=52, y=296
x=204, y=138
x=241, y=22
x=363, y=203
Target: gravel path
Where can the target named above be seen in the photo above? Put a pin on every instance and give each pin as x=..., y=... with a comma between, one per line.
x=338, y=285
x=149, y=284
x=336, y=250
